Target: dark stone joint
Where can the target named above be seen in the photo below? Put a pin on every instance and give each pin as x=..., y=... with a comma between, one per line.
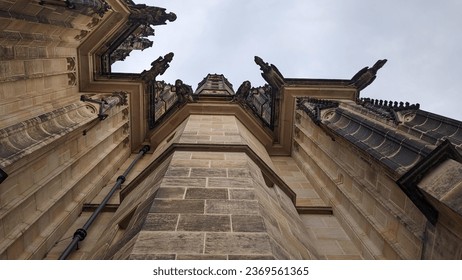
x=3, y=175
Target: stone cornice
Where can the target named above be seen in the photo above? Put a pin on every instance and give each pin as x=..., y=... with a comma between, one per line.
x=31, y=135
x=267, y=171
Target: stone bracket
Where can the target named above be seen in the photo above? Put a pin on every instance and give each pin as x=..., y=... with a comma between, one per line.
x=408, y=182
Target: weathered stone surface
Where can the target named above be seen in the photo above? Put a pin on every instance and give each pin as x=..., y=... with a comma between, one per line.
x=279, y=252
x=249, y=207
x=152, y=257
x=247, y=223
x=230, y=183
x=177, y=206
x=150, y=242
x=202, y=257
x=242, y=194
x=178, y=172
x=237, y=243
x=250, y=257
x=239, y=172
x=183, y=182
x=208, y=172
x=208, y=223
x=442, y=179
x=190, y=163
x=206, y=193
x=171, y=193
x=209, y=156
x=230, y=163
x=160, y=222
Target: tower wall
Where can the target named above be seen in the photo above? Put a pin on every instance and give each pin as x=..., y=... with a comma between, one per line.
x=216, y=204
x=378, y=216
x=56, y=152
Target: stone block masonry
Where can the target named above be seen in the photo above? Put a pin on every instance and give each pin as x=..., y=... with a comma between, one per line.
x=193, y=214
x=210, y=204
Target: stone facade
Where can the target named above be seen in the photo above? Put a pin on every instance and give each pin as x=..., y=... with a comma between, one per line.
x=292, y=169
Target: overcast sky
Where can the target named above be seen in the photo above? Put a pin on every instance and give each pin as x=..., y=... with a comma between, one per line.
x=332, y=39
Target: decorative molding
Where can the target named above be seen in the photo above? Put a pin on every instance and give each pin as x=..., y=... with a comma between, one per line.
x=28, y=136
x=118, y=98
x=133, y=36
x=86, y=7
x=230, y=148
x=409, y=181
x=262, y=102
x=389, y=110
x=314, y=106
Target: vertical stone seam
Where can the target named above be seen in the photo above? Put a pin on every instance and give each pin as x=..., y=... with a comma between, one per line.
x=230, y=222
x=177, y=222
x=203, y=247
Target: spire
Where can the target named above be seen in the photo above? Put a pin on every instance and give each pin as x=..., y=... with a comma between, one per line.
x=215, y=84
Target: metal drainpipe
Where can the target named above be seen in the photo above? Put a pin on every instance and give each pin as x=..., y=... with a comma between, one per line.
x=81, y=233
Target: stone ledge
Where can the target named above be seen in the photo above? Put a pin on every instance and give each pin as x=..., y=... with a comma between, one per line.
x=28, y=136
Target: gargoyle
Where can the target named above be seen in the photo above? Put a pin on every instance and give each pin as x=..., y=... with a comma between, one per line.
x=271, y=73
x=366, y=75
x=158, y=67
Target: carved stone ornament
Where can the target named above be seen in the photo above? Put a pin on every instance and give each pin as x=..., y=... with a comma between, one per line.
x=99, y=7
x=118, y=98
x=148, y=15
x=271, y=73
x=158, y=67
x=313, y=107
x=389, y=110
x=242, y=93
x=366, y=75
x=184, y=92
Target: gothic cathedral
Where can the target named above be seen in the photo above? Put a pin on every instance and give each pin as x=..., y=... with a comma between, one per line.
x=102, y=165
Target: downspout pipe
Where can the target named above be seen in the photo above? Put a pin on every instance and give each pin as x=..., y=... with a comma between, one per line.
x=81, y=233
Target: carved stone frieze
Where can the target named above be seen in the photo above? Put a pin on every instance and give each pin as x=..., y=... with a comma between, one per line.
x=149, y=15
x=164, y=98
x=28, y=136
x=390, y=110
x=314, y=107
x=106, y=102
x=87, y=7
